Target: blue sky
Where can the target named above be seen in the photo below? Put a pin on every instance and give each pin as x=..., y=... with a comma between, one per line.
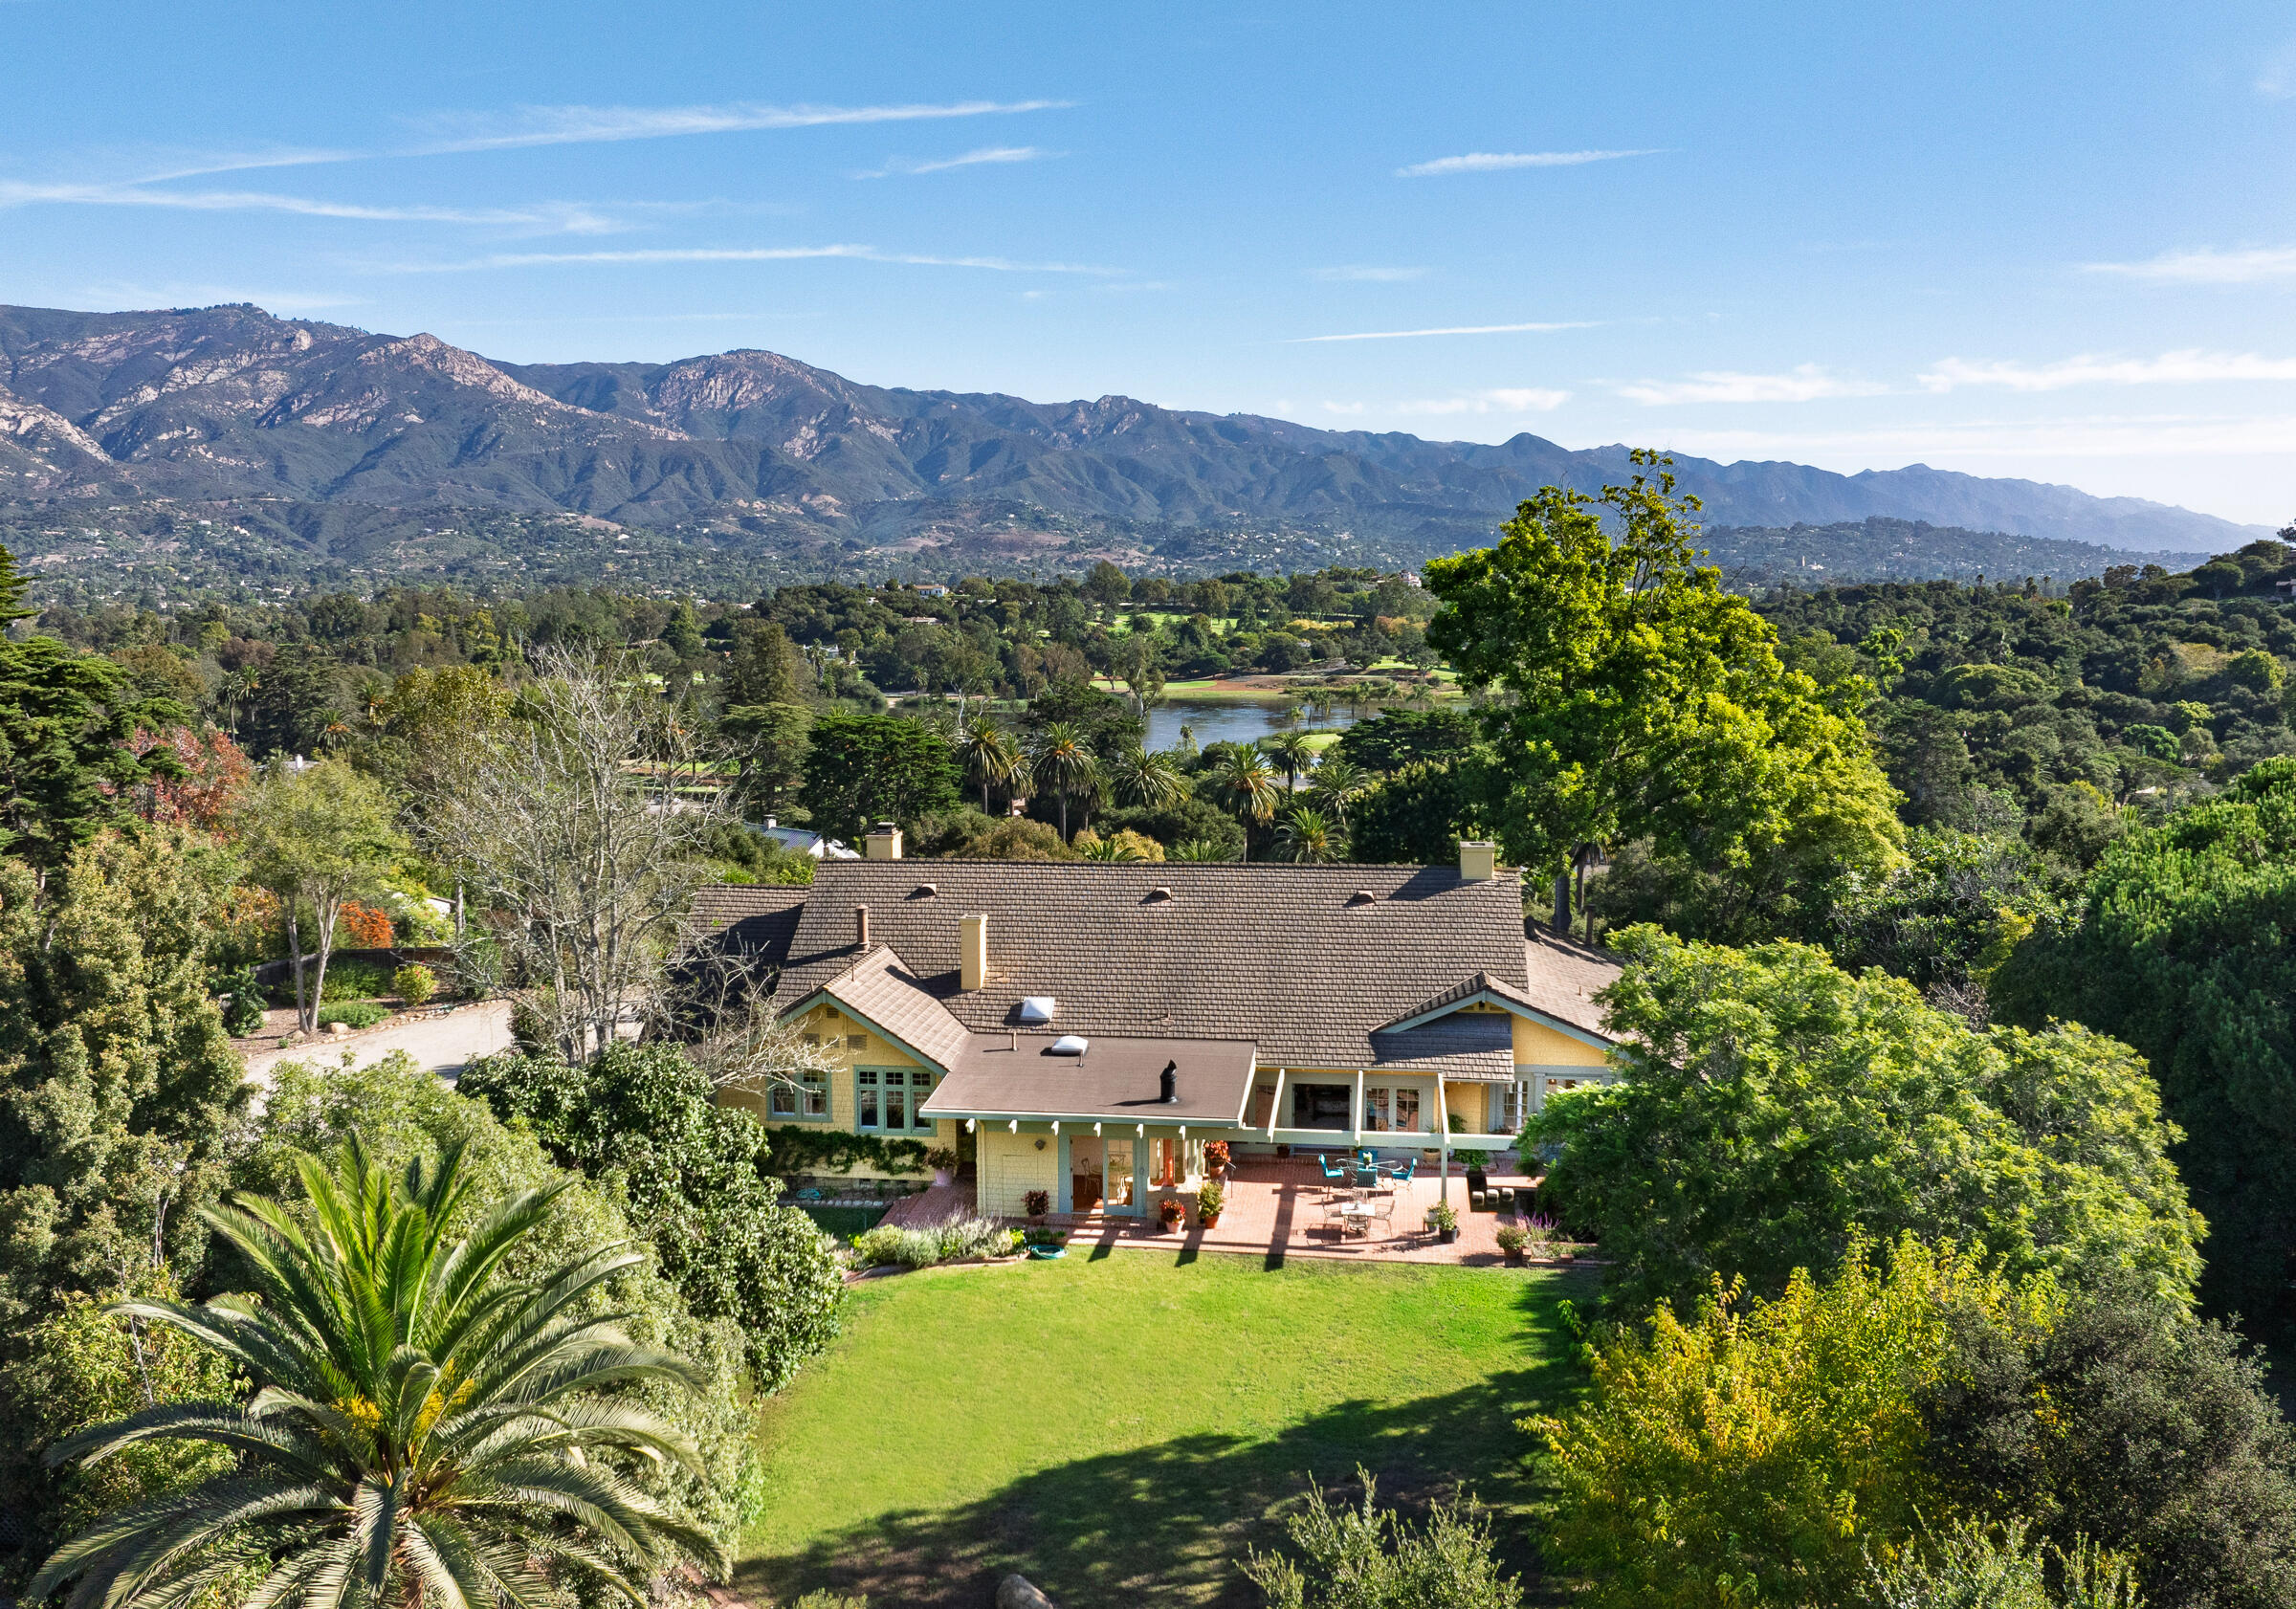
x=2054, y=241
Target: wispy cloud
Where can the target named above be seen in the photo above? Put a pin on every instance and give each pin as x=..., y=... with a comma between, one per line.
x=571, y=217
x=1454, y=329
x=1353, y=273
x=1806, y=384
x=743, y=254
x=902, y=167
x=2093, y=436
x=116, y=293
x=2207, y=266
x=1493, y=162
x=584, y=125
x=1500, y=400
x=2277, y=76
x=2169, y=368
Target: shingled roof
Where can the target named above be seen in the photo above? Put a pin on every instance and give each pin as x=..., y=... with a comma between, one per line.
x=1308, y=963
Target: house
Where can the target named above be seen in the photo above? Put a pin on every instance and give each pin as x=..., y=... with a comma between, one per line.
x=803, y=841
x=1085, y=1027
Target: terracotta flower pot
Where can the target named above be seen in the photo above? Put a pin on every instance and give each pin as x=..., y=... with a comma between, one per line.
x=1209, y=1220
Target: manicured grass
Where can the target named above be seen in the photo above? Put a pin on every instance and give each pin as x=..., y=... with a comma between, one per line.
x=1119, y=1427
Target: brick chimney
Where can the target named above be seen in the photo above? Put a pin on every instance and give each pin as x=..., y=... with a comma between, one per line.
x=883, y=843
x=972, y=952
x=1478, y=860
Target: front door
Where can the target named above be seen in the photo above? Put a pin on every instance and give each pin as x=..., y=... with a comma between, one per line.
x=1087, y=1163
x=1116, y=1177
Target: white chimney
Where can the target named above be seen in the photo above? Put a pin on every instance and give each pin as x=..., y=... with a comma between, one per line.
x=883, y=843
x=972, y=952
x=1478, y=860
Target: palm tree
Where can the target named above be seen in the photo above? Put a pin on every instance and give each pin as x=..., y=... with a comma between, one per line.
x=1247, y=787
x=1151, y=780
x=1306, y=836
x=1063, y=762
x=1336, y=783
x=1198, y=849
x=424, y=1428
x=1111, y=848
x=989, y=757
x=1293, y=751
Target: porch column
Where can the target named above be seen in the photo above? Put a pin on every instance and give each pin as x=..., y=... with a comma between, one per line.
x=1443, y=1126
x=1355, y=1118
x=1275, y=1106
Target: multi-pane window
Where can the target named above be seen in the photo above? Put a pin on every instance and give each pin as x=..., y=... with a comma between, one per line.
x=886, y=1100
x=1392, y=1109
x=804, y=1096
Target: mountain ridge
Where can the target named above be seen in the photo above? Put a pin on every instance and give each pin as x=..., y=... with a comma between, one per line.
x=232, y=402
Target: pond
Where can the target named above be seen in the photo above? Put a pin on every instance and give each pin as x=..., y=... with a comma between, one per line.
x=1230, y=720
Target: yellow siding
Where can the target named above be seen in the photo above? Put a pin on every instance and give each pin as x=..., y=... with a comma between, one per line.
x=1466, y=1103
x=1010, y=1166
x=876, y=1051
x=1536, y=1044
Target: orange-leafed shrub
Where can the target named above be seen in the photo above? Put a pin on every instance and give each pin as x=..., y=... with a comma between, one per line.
x=215, y=773
x=361, y=927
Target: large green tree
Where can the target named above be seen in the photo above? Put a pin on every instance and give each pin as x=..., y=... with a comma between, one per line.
x=67, y=767
x=119, y=1099
x=316, y=836
x=1773, y=1107
x=865, y=768
x=425, y=1428
x=644, y=1119
x=2185, y=950
x=1642, y=701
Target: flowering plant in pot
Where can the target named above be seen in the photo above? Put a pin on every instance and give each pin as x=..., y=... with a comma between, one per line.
x=1208, y=1202
x=1037, y=1204
x=1215, y=1157
x=943, y=1163
x=1170, y=1212
x=1515, y=1241
x=1444, y=1219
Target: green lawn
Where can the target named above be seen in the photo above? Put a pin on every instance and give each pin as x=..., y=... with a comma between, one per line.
x=1119, y=1428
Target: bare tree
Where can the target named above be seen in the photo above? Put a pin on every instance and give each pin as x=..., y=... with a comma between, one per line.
x=741, y=1044
x=567, y=822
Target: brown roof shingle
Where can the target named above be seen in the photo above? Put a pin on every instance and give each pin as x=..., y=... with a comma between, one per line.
x=1307, y=962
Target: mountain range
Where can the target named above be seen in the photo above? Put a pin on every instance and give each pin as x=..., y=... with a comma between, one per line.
x=231, y=405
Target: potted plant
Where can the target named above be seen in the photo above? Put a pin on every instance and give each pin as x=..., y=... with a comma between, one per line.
x=1444, y=1219
x=943, y=1163
x=1171, y=1213
x=1515, y=1241
x=1037, y=1204
x=1044, y=1244
x=1215, y=1158
x=1210, y=1200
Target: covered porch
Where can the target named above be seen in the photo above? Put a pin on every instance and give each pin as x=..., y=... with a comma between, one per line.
x=1279, y=1208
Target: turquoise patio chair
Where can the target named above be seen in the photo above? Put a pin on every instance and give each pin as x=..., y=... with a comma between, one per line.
x=1333, y=1172
x=1406, y=1171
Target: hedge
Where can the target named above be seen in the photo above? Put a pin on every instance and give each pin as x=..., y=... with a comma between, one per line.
x=795, y=1149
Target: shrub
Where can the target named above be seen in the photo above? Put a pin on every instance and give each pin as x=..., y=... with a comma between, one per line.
x=943, y=1243
x=2124, y=1421
x=1363, y=1558
x=354, y=980
x=797, y=1149
x=1513, y=1239
x=357, y=1014
x=361, y=927
x=414, y=983
x=243, y=1009
x=1764, y=1455
x=1972, y=1566
x=693, y=1172
x=1210, y=1199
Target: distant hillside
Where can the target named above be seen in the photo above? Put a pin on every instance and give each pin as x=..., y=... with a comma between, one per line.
x=1879, y=549
x=780, y=460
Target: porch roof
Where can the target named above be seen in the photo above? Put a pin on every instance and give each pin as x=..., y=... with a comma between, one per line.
x=1003, y=1076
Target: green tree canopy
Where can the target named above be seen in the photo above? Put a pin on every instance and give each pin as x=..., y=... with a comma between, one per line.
x=1644, y=701
x=1774, y=1106
x=66, y=767
x=864, y=768
x=315, y=837
x=2184, y=950
x=423, y=1426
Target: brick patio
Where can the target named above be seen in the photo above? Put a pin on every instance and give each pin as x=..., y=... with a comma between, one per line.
x=1275, y=1209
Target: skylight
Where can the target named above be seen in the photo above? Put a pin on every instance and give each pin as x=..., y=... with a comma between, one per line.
x=1037, y=1009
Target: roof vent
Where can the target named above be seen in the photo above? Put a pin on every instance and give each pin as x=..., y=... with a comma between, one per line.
x=1158, y=896
x=1361, y=896
x=1038, y=1008
x=925, y=891
x=1069, y=1045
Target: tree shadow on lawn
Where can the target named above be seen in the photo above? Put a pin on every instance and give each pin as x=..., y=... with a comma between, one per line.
x=1169, y=1524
